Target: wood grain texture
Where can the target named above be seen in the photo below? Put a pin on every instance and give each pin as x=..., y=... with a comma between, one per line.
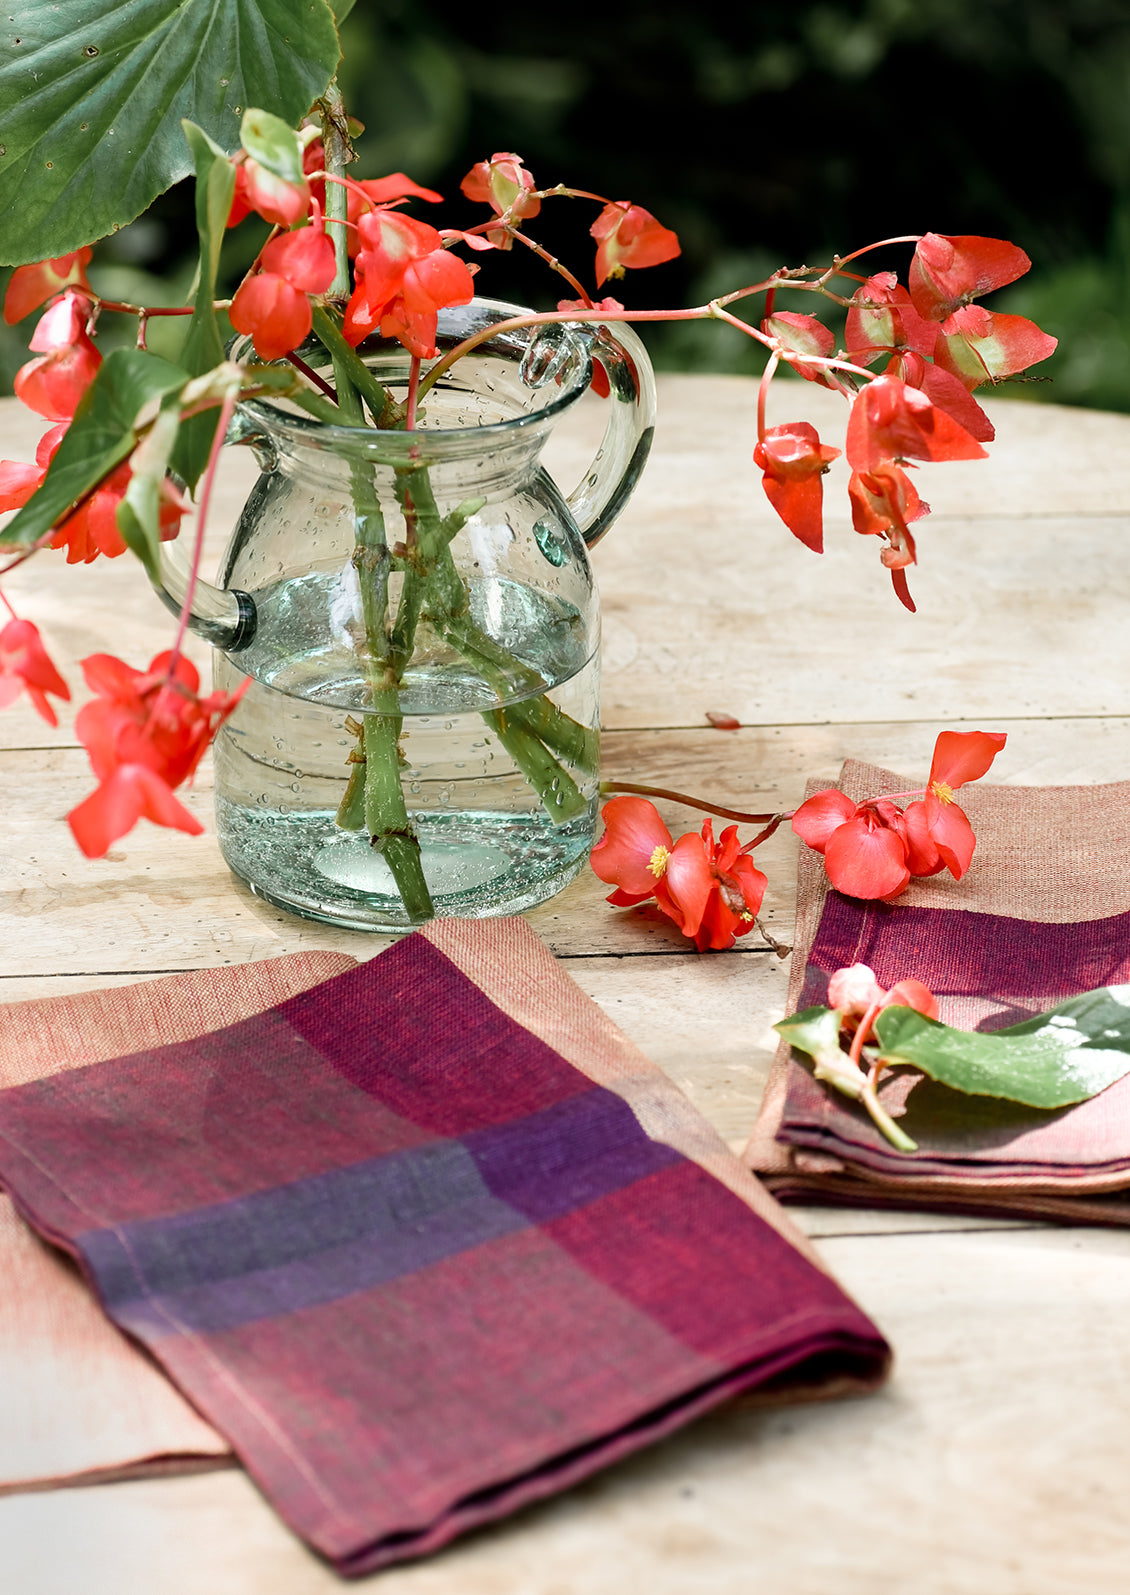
x=995, y=1460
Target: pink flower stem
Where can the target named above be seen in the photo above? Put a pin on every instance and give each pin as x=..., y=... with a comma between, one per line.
x=413, y=394
x=226, y=412
x=7, y=605
x=552, y=317
x=636, y=790
x=862, y=1033
x=763, y=393
x=551, y=261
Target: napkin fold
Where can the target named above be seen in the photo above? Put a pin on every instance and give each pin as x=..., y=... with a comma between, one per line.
x=427, y=1241
x=80, y=1403
x=1042, y=915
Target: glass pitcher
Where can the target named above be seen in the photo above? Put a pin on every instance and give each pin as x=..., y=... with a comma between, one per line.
x=417, y=614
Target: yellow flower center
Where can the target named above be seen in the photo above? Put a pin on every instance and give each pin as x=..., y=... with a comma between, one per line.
x=941, y=791
x=657, y=863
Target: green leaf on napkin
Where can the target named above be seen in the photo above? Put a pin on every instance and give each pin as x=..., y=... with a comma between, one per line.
x=1066, y=1055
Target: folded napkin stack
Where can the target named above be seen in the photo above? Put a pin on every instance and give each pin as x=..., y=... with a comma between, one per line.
x=1042, y=915
x=426, y=1241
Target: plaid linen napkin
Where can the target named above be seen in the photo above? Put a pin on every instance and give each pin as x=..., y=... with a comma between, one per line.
x=78, y=1402
x=428, y=1241
x=1042, y=915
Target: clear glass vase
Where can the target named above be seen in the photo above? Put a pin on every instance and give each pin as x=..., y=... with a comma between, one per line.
x=417, y=614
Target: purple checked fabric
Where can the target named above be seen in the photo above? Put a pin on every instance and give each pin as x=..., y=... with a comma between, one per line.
x=414, y=1264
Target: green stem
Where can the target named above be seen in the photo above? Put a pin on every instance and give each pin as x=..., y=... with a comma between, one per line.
x=348, y=362
x=884, y=1123
x=335, y=141
x=561, y=798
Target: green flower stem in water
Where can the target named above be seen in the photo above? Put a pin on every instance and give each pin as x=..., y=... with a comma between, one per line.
x=561, y=798
x=385, y=813
x=348, y=365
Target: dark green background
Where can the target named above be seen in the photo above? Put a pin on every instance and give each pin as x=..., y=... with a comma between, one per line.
x=773, y=136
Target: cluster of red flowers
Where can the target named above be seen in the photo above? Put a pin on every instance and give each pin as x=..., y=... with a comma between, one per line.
x=938, y=346
x=712, y=890
x=145, y=733
x=404, y=273
x=872, y=849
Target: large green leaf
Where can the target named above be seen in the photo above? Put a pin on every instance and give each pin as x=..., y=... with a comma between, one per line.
x=1065, y=1055
x=101, y=435
x=95, y=90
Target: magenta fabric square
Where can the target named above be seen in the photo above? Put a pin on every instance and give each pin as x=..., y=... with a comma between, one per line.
x=414, y=1264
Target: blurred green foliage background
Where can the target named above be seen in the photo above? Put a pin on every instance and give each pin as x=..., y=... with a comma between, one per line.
x=766, y=137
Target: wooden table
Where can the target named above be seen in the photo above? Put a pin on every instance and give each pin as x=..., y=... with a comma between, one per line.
x=997, y=1458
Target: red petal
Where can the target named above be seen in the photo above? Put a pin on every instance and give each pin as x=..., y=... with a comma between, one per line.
x=911, y=993
x=689, y=881
x=948, y=270
x=922, y=855
x=17, y=483
x=396, y=186
x=891, y=421
x=305, y=258
x=276, y=315
x=981, y=346
x=800, y=504
x=961, y=756
x=821, y=815
x=633, y=834
x=866, y=861
x=952, y=833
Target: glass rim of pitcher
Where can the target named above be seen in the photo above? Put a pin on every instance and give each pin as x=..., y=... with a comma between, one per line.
x=307, y=427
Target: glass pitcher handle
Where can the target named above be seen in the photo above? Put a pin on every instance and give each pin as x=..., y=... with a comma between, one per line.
x=608, y=483
x=224, y=617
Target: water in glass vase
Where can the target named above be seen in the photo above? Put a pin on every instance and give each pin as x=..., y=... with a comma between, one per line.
x=492, y=841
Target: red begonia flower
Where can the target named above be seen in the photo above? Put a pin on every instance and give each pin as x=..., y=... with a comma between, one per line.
x=948, y=272
x=272, y=306
x=855, y=992
x=272, y=197
x=24, y=664
x=714, y=887
x=890, y=421
x=794, y=460
x=871, y=849
x=68, y=360
x=804, y=335
x=404, y=277
x=882, y=320
x=977, y=345
x=712, y=890
x=627, y=235
x=505, y=185
x=944, y=391
x=364, y=196
x=864, y=845
x=883, y=503
x=92, y=528
x=32, y=286
x=145, y=734
x=866, y=855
